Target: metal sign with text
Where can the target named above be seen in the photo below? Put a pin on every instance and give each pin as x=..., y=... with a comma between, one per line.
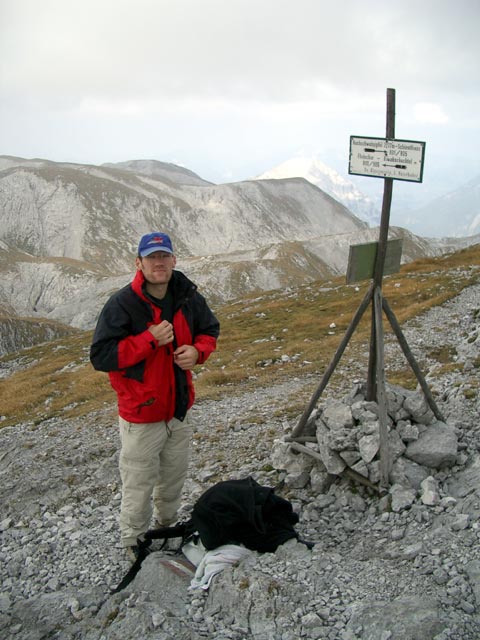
x=387, y=158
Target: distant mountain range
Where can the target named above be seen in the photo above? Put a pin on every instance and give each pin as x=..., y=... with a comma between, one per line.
x=69, y=233
x=454, y=214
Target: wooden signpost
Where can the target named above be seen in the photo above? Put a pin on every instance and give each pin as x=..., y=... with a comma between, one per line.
x=391, y=160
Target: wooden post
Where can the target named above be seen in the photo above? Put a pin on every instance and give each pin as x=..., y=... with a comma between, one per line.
x=376, y=383
x=382, y=247
x=376, y=367
x=381, y=393
x=387, y=196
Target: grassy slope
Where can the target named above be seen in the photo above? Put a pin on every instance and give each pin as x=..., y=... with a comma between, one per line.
x=56, y=378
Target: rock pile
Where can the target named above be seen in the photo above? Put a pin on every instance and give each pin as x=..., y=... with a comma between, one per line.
x=344, y=436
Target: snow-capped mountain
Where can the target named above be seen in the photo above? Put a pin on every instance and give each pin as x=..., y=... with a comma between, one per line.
x=330, y=181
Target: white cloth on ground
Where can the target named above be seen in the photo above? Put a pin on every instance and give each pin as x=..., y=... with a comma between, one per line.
x=212, y=562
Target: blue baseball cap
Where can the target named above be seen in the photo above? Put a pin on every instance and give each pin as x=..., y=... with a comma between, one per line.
x=152, y=242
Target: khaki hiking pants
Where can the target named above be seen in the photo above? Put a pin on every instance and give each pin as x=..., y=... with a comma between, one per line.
x=153, y=467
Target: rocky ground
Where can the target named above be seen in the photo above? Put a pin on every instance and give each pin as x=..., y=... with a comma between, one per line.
x=373, y=573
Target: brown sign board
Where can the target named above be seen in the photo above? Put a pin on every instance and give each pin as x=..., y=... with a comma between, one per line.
x=361, y=260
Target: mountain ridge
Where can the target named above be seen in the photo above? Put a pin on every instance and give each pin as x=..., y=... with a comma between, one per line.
x=158, y=169
x=69, y=234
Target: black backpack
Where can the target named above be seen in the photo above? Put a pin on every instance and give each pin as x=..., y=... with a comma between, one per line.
x=243, y=512
x=230, y=512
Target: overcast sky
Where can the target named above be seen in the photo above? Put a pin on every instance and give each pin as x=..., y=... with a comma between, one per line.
x=230, y=88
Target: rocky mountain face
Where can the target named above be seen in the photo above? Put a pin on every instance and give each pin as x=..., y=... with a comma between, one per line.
x=96, y=214
x=69, y=233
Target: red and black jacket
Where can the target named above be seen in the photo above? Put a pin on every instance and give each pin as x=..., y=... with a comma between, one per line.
x=149, y=385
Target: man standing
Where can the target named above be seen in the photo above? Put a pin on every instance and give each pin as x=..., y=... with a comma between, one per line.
x=149, y=336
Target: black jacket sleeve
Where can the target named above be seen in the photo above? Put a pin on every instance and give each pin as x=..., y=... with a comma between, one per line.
x=122, y=316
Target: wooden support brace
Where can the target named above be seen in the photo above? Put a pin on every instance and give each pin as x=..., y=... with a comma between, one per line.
x=335, y=360
x=346, y=473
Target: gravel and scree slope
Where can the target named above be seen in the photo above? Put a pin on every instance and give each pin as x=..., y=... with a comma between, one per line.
x=375, y=572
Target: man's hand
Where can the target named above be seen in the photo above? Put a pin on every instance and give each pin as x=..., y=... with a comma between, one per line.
x=186, y=356
x=163, y=332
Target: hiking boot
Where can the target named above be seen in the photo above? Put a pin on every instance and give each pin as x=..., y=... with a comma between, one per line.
x=160, y=525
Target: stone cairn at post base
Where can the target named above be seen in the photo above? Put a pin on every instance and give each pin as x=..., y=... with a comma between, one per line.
x=343, y=436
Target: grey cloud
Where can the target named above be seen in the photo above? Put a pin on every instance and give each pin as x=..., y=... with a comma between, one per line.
x=270, y=50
